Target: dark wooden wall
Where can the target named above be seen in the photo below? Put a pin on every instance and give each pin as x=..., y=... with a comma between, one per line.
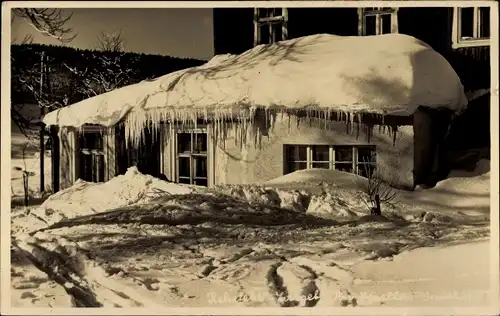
x=233, y=27
x=434, y=26
x=233, y=33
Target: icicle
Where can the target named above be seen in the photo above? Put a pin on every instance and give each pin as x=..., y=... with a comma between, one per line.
x=357, y=129
x=347, y=122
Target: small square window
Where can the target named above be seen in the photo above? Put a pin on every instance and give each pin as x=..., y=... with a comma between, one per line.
x=467, y=23
x=320, y=153
x=184, y=142
x=200, y=142
x=343, y=154
x=484, y=18
x=296, y=153
x=366, y=154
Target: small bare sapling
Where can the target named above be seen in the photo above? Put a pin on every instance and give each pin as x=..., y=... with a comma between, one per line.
x=376, y=191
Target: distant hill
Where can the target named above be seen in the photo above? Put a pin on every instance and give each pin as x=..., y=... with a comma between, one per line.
x=62, y=83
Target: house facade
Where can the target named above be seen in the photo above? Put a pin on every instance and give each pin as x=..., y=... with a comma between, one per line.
x=189, y=154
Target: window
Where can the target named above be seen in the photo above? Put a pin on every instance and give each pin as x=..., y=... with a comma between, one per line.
x=471, y=27
x=192, y=157
x=270, y=25
x=360, y=159
x=91, y=154
x=377, y=21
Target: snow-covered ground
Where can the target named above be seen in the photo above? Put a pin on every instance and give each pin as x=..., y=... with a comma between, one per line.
x=25, y=155
x=304, y=239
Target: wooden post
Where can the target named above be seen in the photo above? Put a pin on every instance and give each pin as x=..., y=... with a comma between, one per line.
x=256, y=28
x=55, y=156
x=42, y=127
x=272, y=29
x=284, y=26
x=394, y=21
x=361, y=22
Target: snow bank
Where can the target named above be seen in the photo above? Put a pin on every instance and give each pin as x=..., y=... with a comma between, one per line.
x=467, y=192
x=295, y=200
x=318, y=175
x=85, y=198
x=386, y=74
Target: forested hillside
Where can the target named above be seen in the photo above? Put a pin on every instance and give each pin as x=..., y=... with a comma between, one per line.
x=65, y=75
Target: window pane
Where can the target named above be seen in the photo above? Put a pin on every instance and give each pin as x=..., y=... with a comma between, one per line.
x=343, y=153
x=200, y=142
x=296, y=153
x=85, y=167
x=98, y=168
x=366, y=170
x=184, y=167
x=366, y=154
x=202, y=182
x=484, y=15
x=322, y=165
x=347, y=167
x=320, y=153
x=294, y=166
x=386, y=23
x=183, y=142
x=91, y=140
x=370, y=25
x=200, y=167
x=467, y=22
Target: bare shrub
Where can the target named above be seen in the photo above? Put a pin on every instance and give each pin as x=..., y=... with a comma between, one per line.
x=376, y=191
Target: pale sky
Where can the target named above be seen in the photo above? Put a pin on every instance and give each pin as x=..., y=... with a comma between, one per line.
x=176, y=32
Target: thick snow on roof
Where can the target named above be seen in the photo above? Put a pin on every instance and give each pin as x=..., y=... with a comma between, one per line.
x=385, y=74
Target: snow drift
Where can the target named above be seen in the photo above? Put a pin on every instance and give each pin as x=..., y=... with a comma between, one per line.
x=386, y=74
x=85, y=198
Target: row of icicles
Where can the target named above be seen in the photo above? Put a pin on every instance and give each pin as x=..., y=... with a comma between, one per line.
x=247, y=126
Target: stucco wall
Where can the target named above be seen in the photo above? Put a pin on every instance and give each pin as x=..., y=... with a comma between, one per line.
x=257, y=164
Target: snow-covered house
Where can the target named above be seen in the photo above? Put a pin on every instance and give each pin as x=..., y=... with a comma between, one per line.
x=322, y=101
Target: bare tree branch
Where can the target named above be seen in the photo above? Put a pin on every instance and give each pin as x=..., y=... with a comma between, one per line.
x=28, y=39
x=110, y=42
x=109, y=75
x=49, y=22
x=375, y=190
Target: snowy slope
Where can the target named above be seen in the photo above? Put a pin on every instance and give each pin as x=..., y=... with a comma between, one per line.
x=306, y=233
x=386, y=74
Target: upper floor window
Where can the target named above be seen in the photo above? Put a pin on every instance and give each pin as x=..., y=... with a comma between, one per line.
x=270, y=25
x=471, y=27
x=377, y=21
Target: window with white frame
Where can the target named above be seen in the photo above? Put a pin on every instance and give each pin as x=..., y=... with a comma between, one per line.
x=192, y=149
x=377, y=21
x=359, y=159
x=471, y=27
